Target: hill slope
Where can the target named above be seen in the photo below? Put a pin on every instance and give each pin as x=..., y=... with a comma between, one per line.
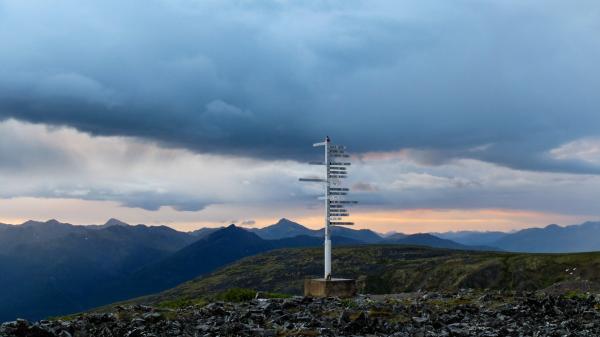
x=392, y=269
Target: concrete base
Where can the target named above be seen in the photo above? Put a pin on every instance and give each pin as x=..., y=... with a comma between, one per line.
x=337, y=287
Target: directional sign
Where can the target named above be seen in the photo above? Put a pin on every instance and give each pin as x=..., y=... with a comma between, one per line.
x=341, y=223
x=314, y=180
x=340, y=147
x=335, y=203
x=338, y=210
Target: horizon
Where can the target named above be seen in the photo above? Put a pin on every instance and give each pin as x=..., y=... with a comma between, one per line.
x=255, y=226
x=458, y=116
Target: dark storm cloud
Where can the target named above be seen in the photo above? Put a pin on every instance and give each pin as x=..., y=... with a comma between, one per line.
x=500, y=81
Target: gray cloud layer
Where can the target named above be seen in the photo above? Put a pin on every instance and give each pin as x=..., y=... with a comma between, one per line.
x=500, y=81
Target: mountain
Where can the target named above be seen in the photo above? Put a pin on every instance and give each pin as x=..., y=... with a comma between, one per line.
x=473, y=238
x=284, y=228
x=363, y=235
x=387, y=269
x=425, y=239
x=54, y=268
x=553, y=239
x=394, y=236
x=217, y=249
x=34, y=232
x=205, y=255
x=113, y=222
x=204, y=232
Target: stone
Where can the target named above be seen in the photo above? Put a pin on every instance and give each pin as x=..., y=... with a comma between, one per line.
x=64, y=333
x=422, y=314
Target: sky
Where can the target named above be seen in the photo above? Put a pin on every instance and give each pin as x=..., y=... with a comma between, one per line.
x=462, y=115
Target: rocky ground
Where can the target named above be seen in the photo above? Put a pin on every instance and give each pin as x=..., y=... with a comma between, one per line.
x=421, y=314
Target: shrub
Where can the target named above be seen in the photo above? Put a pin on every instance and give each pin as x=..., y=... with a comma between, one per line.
x=236, y=295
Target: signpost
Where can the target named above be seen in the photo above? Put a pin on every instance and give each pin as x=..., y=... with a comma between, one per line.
x=335, y=204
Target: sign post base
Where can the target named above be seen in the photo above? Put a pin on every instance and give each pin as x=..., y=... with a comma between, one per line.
x=336, y=287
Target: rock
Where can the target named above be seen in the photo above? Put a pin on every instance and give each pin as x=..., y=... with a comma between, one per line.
x=589, y=315
x=425, y=314
x=344, y=317
x=420, y=320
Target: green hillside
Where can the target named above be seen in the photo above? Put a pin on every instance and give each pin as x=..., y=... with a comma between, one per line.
x=392, y=269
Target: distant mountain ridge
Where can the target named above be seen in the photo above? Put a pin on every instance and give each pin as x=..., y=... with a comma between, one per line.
x=284, y=228
x=554, y=239
x=473, y=237
x=426, y=239
x=287, y=228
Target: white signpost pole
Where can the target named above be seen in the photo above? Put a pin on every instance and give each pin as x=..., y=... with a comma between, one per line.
x=327, y=203
x=335, y=169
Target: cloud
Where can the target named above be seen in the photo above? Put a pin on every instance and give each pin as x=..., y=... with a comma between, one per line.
x=37, y=161
x=248, y=223
x=364, y=187
x=45, y=169
x=405, y=183
x=585, y=150
x=500, y=81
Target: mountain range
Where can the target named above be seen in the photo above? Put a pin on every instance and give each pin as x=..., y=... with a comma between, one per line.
x=53, y=268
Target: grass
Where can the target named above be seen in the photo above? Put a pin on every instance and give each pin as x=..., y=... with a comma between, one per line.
x=182, y=303
x=349, y=303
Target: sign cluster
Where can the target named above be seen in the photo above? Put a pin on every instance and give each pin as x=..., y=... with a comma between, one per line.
x=336, y=168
